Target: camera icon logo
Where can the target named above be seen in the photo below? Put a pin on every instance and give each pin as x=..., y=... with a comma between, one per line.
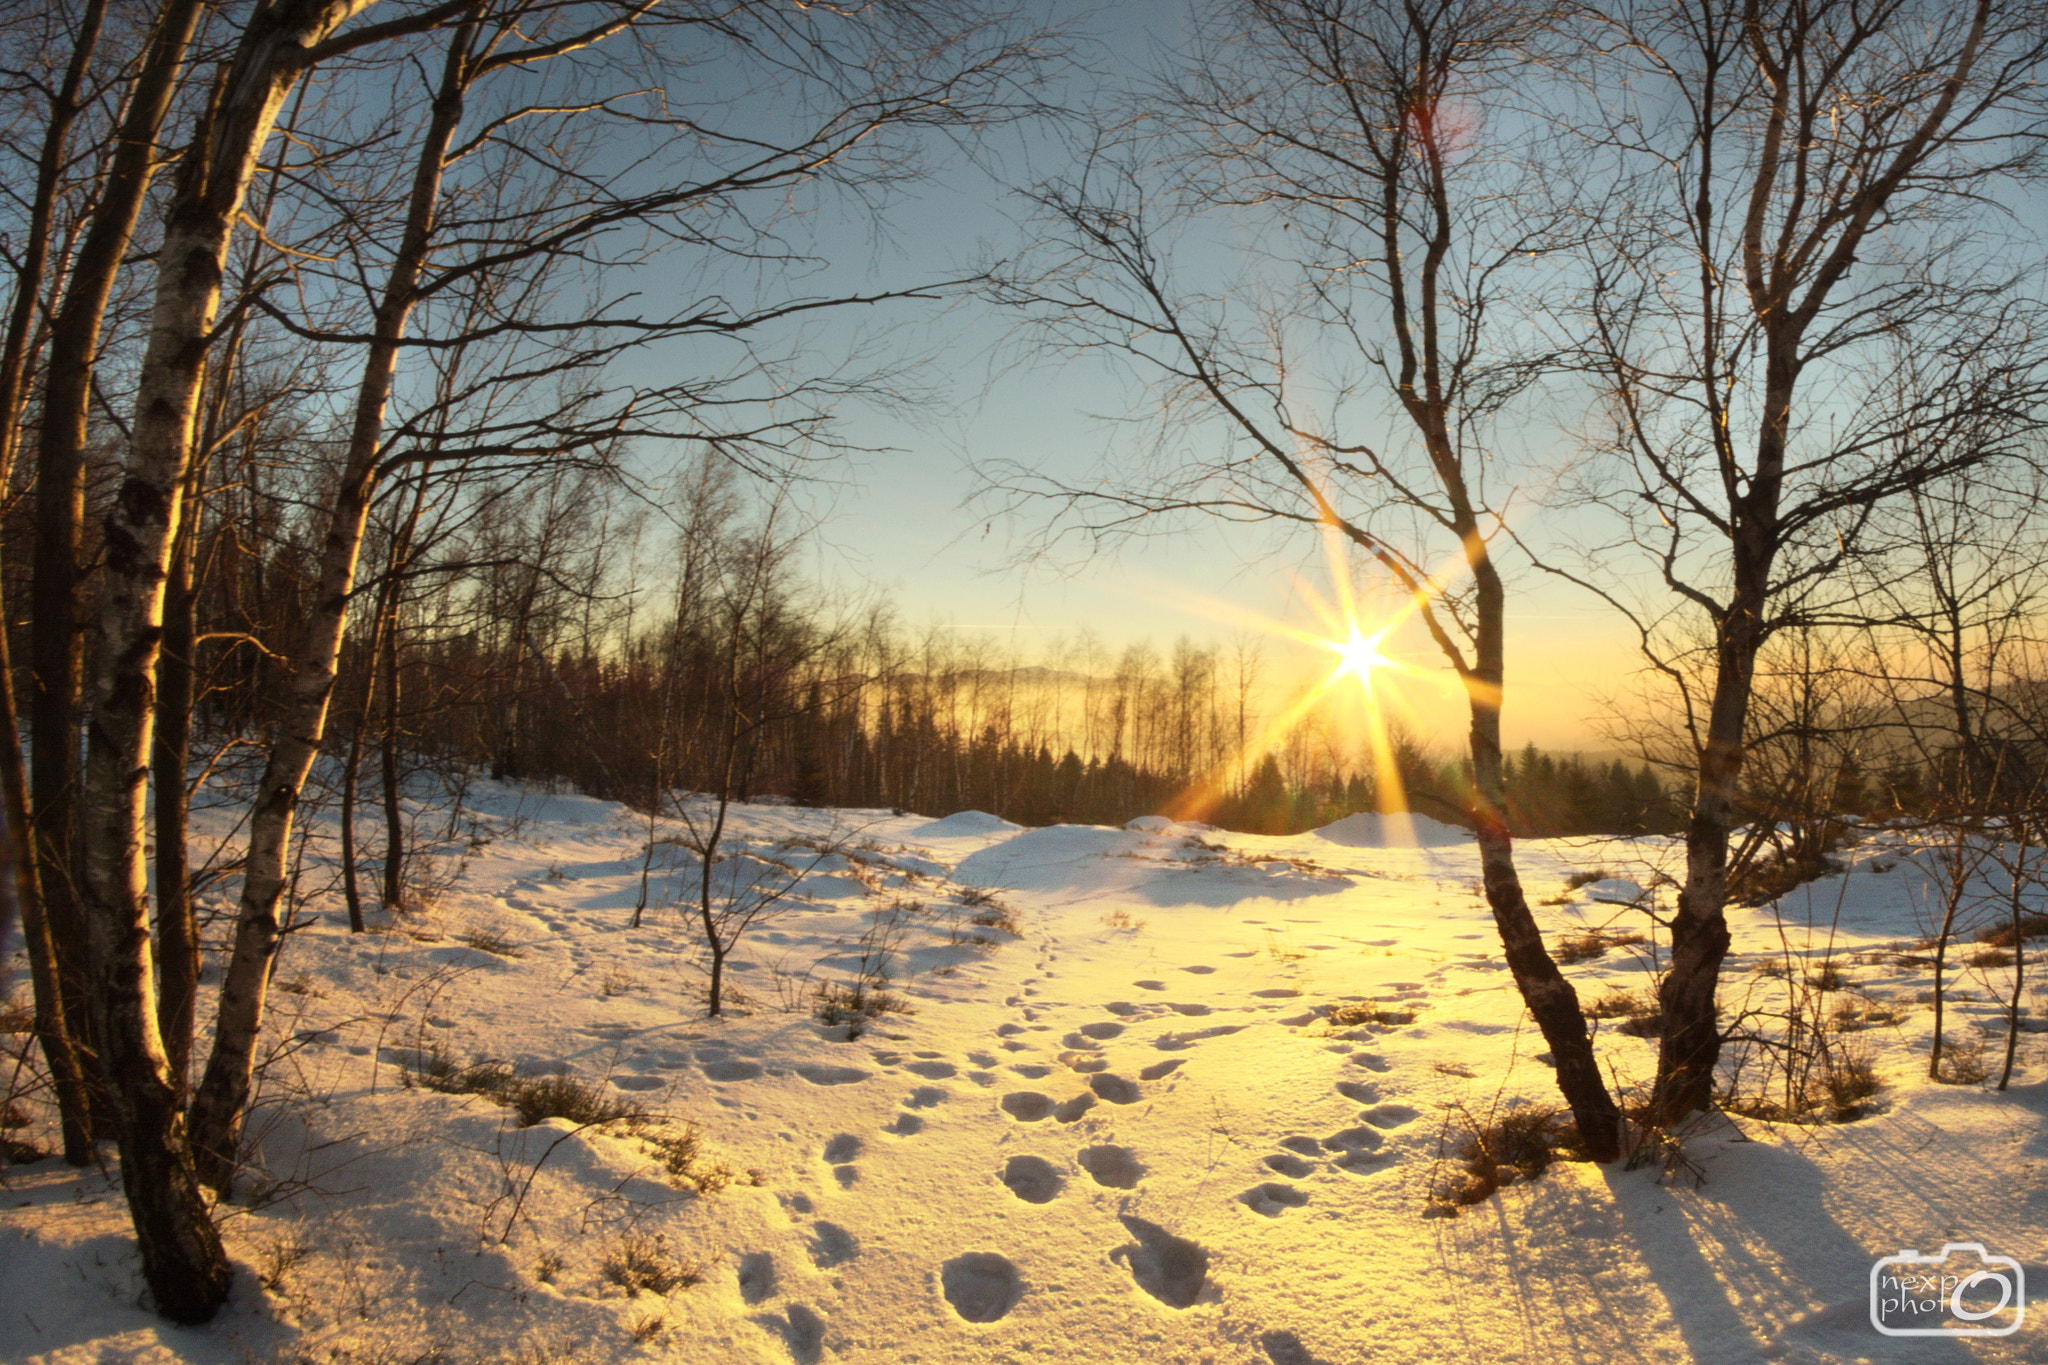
x=1974, y=1295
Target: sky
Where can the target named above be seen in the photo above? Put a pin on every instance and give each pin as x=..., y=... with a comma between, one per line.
x=906, y=519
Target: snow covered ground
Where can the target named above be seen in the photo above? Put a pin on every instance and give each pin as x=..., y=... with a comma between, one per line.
x=1127, y=1131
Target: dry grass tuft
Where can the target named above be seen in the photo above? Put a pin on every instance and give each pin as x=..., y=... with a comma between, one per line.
x=1501, y=1150
x=636, y=1262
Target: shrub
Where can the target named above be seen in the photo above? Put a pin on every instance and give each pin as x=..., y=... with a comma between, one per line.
x=485, y=941
x=1579, y=879
x=1962, y=1062
x=1828, y=977
x=1583, y=947
x=1369, y=1012
x=2032, y=925
x=1648, y=1023
x=1989, y=957
x=1760, y=883
x=1853, y=1016
x=584, y=1103
x=681, y=1153
x=1518, y=1145
x=1835, y=1086
x=635, y=1263
x=1000, y=917
x=1618, y=1004
x=855, y=1004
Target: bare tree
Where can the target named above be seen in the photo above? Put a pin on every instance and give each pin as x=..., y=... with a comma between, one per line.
x=1354, y=127
x=1796, y=310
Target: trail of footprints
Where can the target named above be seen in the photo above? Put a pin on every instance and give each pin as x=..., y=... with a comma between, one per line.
x=985, y=1286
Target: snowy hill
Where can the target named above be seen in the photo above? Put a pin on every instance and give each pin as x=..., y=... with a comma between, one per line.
x=1118, y=1123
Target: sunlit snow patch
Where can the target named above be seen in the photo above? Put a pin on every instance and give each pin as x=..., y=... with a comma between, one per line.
x=966, y=822
x=1398, y=830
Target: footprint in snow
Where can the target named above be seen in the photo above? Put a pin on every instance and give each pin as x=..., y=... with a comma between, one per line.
x=1123, y=1009
x=1285, y=1348
x=1150, y=985
x=843, y=1148
x=1070, y=1110
x=1115, y=1089
x=1190, y=1009
x=1302, y=1145
x=1033, y=1179
x=1116, y=1168
x=982, y=1058
x=1355, y=1139
x=1179, y=1042
x=732, y=1069
x=1008, y=1030
x=832, y=1075
x=1081, y=1041
x=1391, y=1115
x=637, y=1082
x=1160, y=1069
x=1359, y=1092
x=1276, y=993
x=924, y=1097
x=1026, y=1106
x=1289, y=1165
x=981, y=1286
x=1102, y=1029
x=932, y=1071
x=801, y=1330
x=1200, y=970
x=1171, y=1269
x=1371, y=1061
x=757, y=1277
x=905, y=1125
x=1084, y=1062
x=832, y=1245
x=1272, y=1198
x=1031, y=1071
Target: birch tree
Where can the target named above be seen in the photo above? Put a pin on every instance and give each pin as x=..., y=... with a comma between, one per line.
x=1798, y=309
x=1379, y=144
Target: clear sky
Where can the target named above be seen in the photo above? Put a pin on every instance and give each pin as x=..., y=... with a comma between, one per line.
x=906, y=519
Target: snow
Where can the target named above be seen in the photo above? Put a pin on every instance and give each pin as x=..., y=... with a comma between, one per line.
x=967, y=822
x=1393, y=831
x=1126, y=1131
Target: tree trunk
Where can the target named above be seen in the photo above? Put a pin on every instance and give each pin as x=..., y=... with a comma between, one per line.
x=56, y=1027
x=1551, y=999
x=57, y=607
x=1691, y=1042
x=223, y=1092
x=394, y=815
x=183, y=1261
x=60, y=1053
x=177, y=933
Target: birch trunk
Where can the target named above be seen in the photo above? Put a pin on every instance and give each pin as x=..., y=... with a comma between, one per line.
x=223, y=1092
x=60, y=1016
x=57, y=606
x=183, y=1261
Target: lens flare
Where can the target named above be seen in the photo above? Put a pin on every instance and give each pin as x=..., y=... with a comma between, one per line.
x=1358, y=655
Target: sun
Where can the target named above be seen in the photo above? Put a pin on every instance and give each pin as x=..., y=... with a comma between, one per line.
x=1357, y=655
